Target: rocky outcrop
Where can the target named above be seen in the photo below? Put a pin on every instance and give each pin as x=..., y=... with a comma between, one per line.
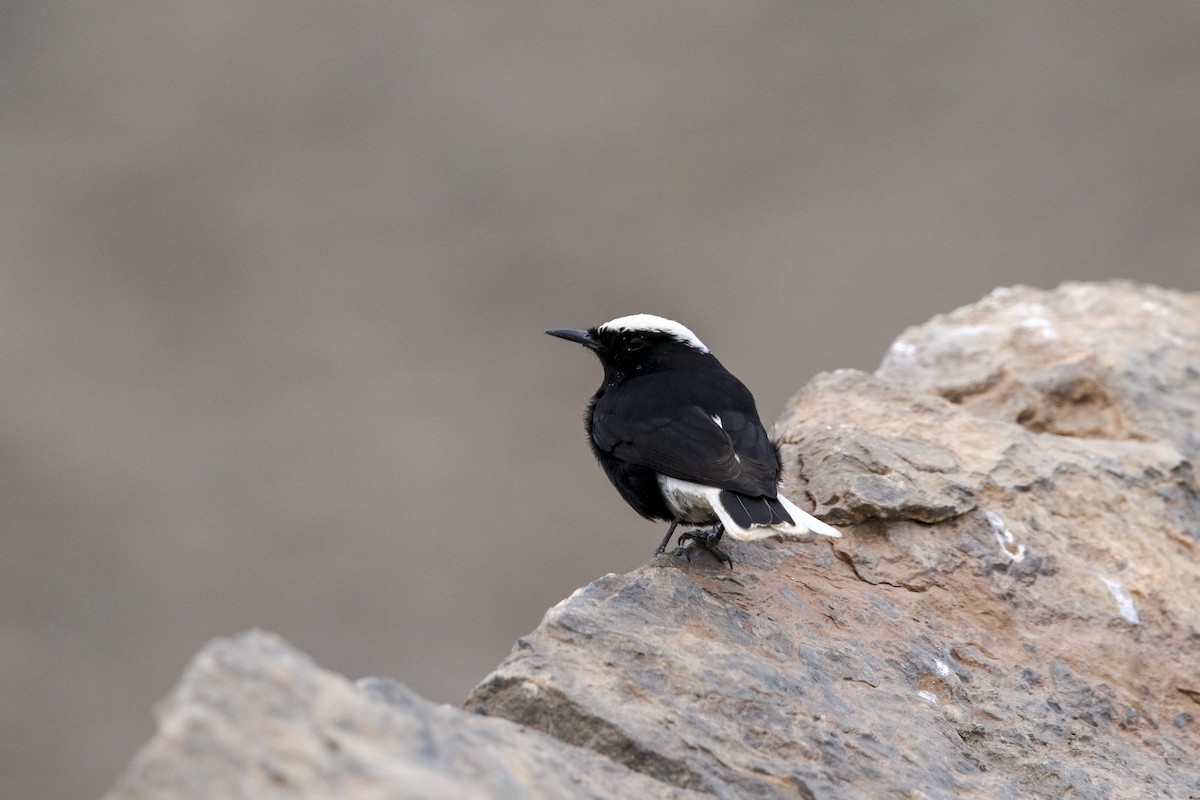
x=1014, y=611
x=255, y=718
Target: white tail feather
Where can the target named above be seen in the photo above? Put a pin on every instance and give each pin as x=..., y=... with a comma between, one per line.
x=810, y=522
x=695, y=502
x=805, y=523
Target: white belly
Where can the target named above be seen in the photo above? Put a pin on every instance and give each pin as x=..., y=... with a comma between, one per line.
x=689, y=502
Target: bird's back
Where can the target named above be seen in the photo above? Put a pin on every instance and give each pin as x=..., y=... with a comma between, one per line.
x=697, y=423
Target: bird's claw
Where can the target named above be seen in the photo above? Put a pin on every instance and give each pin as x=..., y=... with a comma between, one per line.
x=705, y=539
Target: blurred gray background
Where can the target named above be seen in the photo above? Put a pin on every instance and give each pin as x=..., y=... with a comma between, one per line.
x=274, y=278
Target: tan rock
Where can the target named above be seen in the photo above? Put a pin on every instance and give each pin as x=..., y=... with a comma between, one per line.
x=1014, y=611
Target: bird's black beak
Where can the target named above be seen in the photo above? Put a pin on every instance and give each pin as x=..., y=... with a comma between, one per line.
x=581, y=337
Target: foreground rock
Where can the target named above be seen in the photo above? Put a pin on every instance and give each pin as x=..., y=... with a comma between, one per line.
x=254, y=718
x=1014, y=611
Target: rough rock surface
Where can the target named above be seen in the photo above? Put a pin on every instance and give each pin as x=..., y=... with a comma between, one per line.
x=1014, y=611
x=254, y=718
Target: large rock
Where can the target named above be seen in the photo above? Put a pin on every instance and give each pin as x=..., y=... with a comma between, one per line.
x=254, y=718
x=1014, y=611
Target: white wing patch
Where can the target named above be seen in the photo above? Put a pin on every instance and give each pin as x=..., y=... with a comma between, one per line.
x=650, y=322
x=717, y=419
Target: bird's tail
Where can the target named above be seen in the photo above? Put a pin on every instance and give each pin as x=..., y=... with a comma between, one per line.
x=751, y=518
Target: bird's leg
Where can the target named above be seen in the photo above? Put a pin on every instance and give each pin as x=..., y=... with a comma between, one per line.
x=706, y=539
x=662, y=547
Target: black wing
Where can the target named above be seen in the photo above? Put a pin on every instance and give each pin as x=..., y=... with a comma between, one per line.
x=667, y=423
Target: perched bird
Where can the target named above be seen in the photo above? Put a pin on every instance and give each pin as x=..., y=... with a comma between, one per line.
x=680, y=438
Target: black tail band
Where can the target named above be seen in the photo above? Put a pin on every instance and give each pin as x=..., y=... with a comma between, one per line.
x=749, y=512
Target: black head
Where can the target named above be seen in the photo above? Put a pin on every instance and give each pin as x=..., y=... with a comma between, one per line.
x=640, y=343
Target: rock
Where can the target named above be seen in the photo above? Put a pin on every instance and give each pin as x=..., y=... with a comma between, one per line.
x=254, y=718
x=1117, y=361
x=1014, y=611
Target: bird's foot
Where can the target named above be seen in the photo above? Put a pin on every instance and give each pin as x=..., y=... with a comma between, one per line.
x=705, y=539
x=662, y=547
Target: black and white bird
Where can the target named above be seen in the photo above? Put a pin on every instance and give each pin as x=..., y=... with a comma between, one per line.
x=680, y=438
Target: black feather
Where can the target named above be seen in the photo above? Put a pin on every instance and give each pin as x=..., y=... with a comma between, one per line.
x=747, y=512
x=668, y=408
x=664, y=421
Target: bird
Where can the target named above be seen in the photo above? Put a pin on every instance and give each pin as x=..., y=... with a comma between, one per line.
x=680, y=437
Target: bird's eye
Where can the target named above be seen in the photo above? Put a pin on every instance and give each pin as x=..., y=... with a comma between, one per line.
x=635, y=343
